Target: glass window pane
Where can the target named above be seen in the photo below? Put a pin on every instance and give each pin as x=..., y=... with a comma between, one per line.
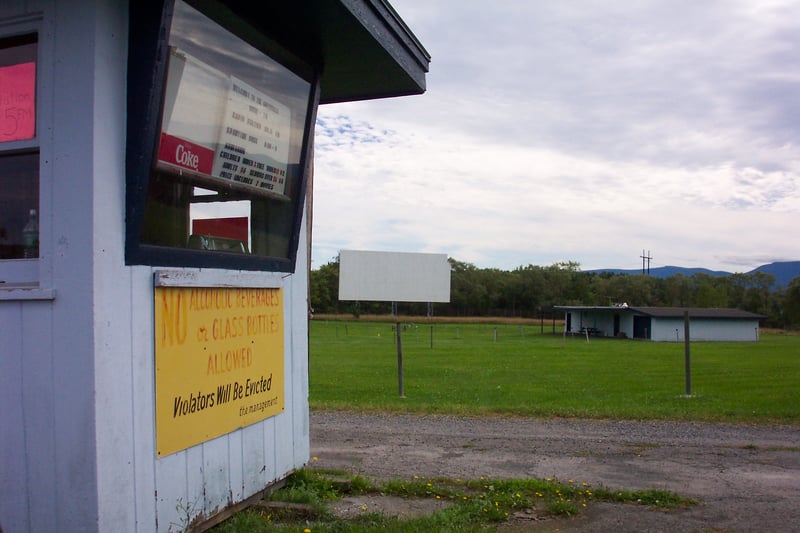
x=228, y=166
x=19, y=171
x=19, y=204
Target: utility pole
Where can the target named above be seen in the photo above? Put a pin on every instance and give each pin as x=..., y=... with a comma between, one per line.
x=645, y=258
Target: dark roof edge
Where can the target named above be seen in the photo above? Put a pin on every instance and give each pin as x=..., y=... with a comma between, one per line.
x=405, y=35
x=668, y=312
x=390, y=32
x=697, y=312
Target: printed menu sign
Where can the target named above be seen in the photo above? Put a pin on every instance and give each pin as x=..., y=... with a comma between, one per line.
x=18, y=102
x=221, y=128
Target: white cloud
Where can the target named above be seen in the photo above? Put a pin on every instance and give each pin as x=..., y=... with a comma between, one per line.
x=576, y=131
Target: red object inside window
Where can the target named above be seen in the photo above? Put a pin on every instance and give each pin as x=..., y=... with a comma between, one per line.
x=18, y=102
x=231, y=228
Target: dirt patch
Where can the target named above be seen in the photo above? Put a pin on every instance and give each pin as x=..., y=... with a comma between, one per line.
x=746, y=478
x=387, y=505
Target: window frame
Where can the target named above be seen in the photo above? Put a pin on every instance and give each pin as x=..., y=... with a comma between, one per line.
x=148, y=53
x=21, y=278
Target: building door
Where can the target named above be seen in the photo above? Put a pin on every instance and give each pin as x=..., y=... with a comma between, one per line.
x=616, y=324
x=641, y=327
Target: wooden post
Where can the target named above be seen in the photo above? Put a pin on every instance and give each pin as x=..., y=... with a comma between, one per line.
x=687, y=352
x=400, y=361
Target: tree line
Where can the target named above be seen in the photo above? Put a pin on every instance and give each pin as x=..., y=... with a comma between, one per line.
x=529, y=291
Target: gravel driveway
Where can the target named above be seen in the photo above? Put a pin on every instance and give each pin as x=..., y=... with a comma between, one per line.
x=746, y=477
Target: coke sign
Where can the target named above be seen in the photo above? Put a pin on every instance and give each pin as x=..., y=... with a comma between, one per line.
x=185, y=154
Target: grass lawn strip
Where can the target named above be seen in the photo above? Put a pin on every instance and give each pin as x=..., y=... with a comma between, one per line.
x=484, y=369
x=463, y=505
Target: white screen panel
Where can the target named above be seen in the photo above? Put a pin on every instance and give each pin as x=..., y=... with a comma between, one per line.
x=393, y=277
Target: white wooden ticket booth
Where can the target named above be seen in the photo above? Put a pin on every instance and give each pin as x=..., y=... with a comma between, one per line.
x=155, y=178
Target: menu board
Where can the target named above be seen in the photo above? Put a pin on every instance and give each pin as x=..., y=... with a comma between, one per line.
x=220, y=128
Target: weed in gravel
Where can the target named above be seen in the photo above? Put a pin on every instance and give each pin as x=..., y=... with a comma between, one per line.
x=472, y=505
x=662, y=499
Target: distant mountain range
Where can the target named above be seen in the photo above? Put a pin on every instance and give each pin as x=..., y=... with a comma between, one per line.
x=784, y=271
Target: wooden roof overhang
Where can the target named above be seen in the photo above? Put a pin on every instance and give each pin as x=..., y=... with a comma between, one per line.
x=362, y=48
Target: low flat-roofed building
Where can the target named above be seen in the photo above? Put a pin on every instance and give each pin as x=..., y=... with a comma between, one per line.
x=661, y=323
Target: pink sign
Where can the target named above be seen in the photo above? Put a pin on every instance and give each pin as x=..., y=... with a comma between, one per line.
x=185, y=154
x=18, y=102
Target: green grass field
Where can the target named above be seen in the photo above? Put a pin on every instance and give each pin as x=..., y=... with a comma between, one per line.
x=474, y=369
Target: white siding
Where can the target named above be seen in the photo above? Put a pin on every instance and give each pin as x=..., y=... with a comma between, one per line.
x=205, y=478
x=48, y=461
x=77, y=429
x=705, y=329
x=667, y=329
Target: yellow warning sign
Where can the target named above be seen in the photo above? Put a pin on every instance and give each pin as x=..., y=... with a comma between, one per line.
x=219, y=362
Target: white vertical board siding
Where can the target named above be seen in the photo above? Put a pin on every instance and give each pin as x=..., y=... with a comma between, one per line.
x=28, y=485
x=253, y=453
x=663, y=329
x=46, y=356
x=143, y=407
x=71, y=218
x=705, y=329
x=301, y=445
x=40, y=393
x=77, y=376
x=14, y=508
x=112, y=309
x=205, y=479
x=237, y=462
x=216, y=471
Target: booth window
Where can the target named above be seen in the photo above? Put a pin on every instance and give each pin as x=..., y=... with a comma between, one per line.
x=226, y=179
x=19, y=152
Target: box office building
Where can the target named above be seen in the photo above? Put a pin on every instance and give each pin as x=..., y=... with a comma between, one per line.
x=155, y=171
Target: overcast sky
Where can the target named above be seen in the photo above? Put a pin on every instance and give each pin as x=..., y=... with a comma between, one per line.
x=576, y=130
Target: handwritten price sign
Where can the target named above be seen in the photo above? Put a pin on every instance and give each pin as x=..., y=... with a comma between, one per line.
x=17, y=102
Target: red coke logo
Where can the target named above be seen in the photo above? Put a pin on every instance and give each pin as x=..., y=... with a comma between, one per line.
x=186, y=157
x=185, y=154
